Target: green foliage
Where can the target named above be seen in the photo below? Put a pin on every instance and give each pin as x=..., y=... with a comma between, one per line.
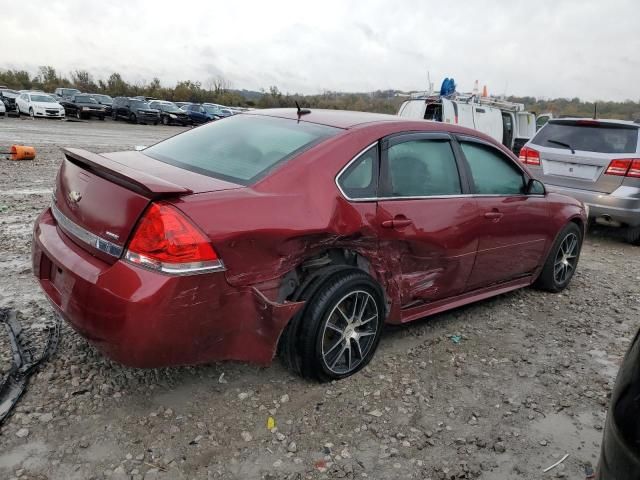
x=217, y=90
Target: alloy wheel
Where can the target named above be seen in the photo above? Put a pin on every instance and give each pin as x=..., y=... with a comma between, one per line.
x=349, y=332
x=566, y=259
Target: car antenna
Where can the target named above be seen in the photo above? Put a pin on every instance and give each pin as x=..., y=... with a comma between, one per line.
x=302, y=111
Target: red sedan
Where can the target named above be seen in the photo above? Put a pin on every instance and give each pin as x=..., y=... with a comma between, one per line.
x=294, y=232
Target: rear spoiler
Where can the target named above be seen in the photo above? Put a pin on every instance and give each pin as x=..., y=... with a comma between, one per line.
x=121, y=174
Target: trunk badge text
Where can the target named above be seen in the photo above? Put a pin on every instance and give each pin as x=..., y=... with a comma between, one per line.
x=74, y=196
x=112, y=235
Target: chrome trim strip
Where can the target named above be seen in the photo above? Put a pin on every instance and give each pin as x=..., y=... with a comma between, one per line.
x=193, y=268
x=85, y=236
x=377, y=199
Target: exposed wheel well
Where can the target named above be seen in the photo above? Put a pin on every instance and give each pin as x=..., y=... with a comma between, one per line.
x=579, y=223
x=321, y=265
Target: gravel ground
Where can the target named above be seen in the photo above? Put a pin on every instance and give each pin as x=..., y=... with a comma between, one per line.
x=528, y=381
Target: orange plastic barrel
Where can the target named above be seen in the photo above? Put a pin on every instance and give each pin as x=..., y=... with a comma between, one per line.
x=21, y=152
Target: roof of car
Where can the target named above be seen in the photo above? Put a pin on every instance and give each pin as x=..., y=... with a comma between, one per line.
x=333, y=118
x=588, y=121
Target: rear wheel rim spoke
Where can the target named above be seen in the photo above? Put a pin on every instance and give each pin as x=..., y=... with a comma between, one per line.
x=348, y=339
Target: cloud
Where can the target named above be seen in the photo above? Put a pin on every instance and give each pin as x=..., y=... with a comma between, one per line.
x=550, y=48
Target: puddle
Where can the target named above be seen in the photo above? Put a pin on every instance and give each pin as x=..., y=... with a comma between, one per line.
x=610, y=366
x=27, y=191
x=30, y=455
x=570, y=435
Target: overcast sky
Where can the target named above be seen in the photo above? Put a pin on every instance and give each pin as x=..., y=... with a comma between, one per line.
x=558, y=48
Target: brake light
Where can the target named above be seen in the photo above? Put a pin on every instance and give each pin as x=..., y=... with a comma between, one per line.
x=634, y=169
x=618, y=167
x=529, y=156
x=165, y=240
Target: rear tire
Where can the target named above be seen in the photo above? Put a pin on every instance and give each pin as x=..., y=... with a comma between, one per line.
x=632, y=235
x=562, y=261
x=78, y=114
x=337, y=332
x=165, y=120
x=31, y=113
x=133, y=118
x=114, y=117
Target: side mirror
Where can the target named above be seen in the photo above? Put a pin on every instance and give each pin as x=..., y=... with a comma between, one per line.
x=535, y=187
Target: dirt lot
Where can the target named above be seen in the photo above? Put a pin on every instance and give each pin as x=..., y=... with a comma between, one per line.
x=527, y=383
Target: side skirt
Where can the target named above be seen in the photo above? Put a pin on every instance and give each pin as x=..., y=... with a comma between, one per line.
x=421, y=311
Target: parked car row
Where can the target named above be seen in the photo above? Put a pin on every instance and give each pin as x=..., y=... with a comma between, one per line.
x=67, y=102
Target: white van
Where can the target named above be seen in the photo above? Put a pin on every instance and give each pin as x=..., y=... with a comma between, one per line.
x=506, y=122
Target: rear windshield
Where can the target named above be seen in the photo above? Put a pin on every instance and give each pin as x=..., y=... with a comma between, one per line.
x=241, y=149
x=588, y=137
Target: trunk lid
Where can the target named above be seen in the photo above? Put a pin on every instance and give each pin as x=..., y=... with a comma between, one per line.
x=595, y=143
x=99, y=198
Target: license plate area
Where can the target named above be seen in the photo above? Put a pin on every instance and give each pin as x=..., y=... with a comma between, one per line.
x=572, y=170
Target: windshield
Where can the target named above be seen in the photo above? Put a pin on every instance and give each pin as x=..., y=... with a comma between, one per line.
x=168, y=107
x=42, y=98
x=240, y=149
x=103, y=98
x=139, y=104
x=212, y=110
x=588, y=136
x=85, y=99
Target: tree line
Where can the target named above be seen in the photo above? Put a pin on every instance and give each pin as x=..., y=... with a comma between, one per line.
x=218, y=90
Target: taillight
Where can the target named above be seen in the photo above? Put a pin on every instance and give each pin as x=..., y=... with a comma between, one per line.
x=634, y=169
x=529, y=156
x=618, y=167
x=165, y=240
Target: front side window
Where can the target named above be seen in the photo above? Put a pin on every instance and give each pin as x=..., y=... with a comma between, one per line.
x=422, y=168
x=492, y=173
x=360, y=180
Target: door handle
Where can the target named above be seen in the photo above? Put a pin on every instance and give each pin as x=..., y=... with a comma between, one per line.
x=397, y=222
x=493, y=215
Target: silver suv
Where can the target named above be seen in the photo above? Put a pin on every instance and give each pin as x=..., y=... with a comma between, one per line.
x=594, y=161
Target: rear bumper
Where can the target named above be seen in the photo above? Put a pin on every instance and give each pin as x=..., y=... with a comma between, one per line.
x=143, y=318
x=621, y=205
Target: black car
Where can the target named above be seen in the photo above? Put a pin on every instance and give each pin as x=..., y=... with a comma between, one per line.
x=620, y=456
x=134, y=110
x=170, y=113
x=8, y=97
x=105, y=100
x=83, y=106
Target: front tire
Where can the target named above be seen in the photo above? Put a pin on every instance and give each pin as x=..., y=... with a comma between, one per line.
x=133, y=118
x=165, y=120
x=31, y=113
x=78, y=114
x=562, y=261
x=338, y=331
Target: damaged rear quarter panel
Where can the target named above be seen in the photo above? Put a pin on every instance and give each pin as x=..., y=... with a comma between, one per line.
x=263, y=231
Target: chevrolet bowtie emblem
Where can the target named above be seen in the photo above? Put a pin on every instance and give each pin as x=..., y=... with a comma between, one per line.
x=74, y=196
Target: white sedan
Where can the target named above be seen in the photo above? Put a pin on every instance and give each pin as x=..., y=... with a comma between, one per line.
x=3, y=109
x=37, y=104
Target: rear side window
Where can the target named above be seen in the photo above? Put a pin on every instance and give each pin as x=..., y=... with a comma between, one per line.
x=588, y=136
x=360, y=180
x=422, y=168
x=492, y=173
x=242, y=148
